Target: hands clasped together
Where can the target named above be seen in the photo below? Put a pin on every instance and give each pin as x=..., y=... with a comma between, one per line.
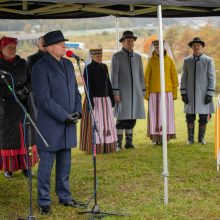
x=72, y=118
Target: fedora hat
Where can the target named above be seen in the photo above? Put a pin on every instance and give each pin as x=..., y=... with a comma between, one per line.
x=127, y=34
x=196, y=40
x=53, y=37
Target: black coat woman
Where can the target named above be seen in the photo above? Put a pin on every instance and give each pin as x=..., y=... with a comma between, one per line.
x=13, y=136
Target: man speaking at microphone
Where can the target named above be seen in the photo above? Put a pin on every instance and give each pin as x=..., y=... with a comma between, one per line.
x=59, y=108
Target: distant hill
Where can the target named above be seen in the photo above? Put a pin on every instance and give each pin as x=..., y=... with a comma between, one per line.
x=40, y=25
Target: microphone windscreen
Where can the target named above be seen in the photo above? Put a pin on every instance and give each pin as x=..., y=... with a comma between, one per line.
x=69, y=53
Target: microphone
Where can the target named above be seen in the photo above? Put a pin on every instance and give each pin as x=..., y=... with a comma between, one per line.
x=70, y=53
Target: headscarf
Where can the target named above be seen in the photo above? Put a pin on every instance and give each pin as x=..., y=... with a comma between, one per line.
x=166, y=47
x=4, y=41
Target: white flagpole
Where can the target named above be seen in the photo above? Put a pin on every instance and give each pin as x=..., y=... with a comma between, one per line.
x=163, y=105
x=117, y=33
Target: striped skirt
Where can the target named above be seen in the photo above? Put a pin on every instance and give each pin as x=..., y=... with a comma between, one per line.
x=16, y=159
x=154, y=127
x=103, y=114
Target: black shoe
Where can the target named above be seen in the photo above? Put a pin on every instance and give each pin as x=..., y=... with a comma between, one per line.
x=202, y=141
x=25, y=172
x=190, y=142
x=129, y=146
x=202, y=129
x=73, y=203
x=118, y=147
x=45, y=210
x=8, y=174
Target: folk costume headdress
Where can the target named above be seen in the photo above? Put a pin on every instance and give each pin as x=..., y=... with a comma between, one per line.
x=95, y=51
x=4, y=41
x=92, y=52
x=165, y=45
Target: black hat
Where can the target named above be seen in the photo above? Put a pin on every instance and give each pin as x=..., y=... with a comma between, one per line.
x=196, y=40
x=127, y=34
x=53, y=37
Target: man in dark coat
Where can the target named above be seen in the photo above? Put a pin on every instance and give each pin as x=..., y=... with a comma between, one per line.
x=197, y=88
x=32, y=59
x=58, y=109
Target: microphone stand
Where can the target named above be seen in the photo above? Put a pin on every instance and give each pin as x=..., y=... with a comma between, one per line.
x=95, y=211
x=28, y=151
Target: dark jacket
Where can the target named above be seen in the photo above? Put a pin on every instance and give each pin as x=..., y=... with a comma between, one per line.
x=10, y=112
x=97, y=80
x=56, y=91
x=32, y=59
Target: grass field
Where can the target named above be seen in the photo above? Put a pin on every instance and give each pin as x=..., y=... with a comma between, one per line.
x=131, y=182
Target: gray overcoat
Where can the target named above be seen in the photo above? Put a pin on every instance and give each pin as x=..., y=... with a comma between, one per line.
x=197, y=81
x=127, y=80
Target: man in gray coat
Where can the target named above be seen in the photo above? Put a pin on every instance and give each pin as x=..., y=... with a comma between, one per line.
x=128, y=87
x=197, y=89
x=58, y=109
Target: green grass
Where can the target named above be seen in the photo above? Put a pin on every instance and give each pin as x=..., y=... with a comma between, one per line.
x=131, y=182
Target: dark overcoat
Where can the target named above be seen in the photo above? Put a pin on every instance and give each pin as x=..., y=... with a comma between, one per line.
x=11, y=114
x=57, y=95
x=32, y=59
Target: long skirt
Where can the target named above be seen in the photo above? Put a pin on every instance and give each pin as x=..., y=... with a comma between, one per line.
x=16, y=159
x=154, y=128
x=106, y=137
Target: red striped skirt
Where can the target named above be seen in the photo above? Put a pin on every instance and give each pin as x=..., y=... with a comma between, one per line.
x=103, y=114
x=16, y=159
x=154, y=128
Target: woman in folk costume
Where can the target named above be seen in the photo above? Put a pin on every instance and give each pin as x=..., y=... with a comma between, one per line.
x=153, y=93
x=12, y=140
x=102, y=100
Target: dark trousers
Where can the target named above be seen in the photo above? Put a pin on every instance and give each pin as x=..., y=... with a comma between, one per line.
x=63, y=164
x=125, y=124
x=203, y=118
